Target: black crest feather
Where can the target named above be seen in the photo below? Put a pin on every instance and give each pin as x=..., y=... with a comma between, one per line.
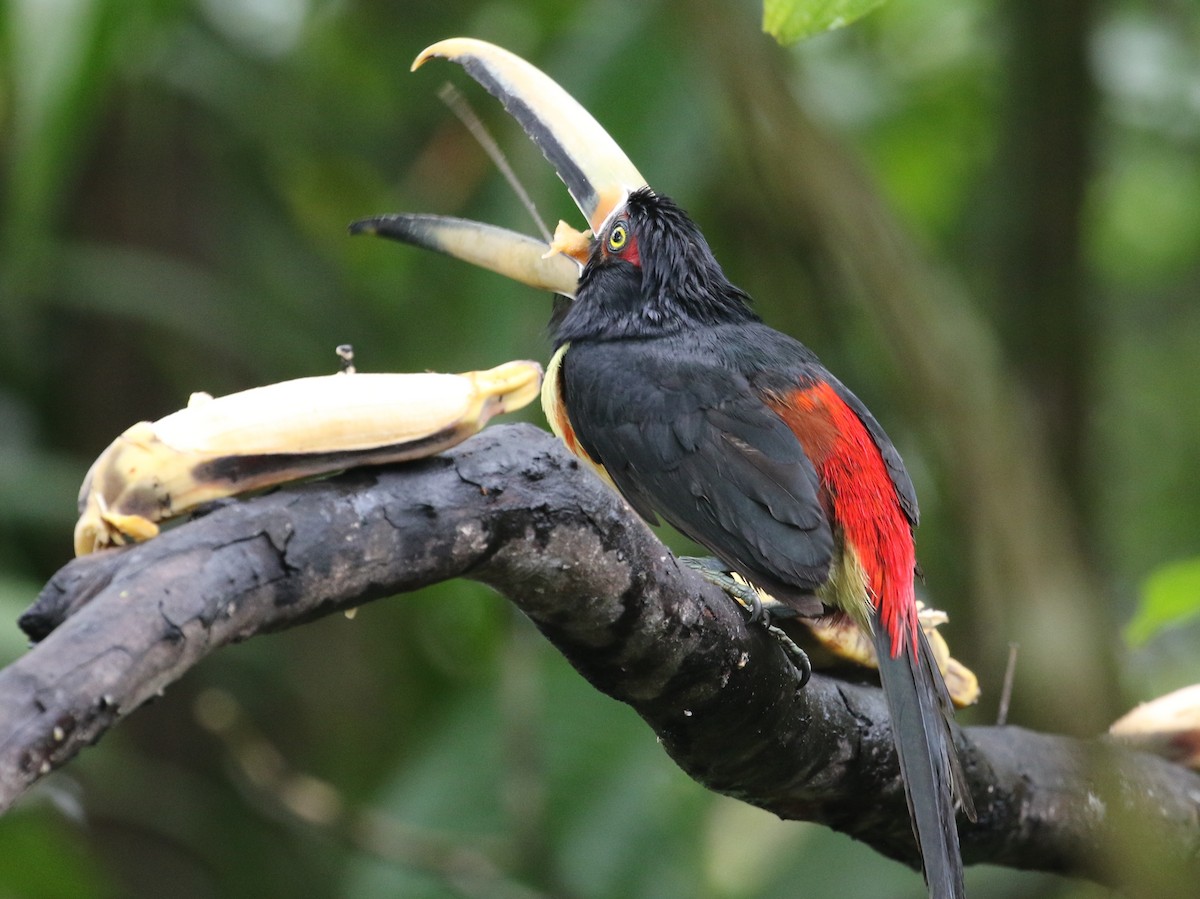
x=677, y=283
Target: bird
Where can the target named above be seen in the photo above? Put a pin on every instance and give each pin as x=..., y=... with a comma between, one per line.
x=668, y=383
x=664, y=378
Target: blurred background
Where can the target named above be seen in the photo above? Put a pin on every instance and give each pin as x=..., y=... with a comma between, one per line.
x=983, y=215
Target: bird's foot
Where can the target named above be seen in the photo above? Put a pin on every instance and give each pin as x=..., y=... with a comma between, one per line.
x=759, y=607
x=797, y=656
x=714, y=571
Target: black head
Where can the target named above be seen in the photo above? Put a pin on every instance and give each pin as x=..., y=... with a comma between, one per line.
x=650, y=273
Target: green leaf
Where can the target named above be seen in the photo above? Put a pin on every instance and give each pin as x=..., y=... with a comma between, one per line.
x=1170, y=596
x=789, y=21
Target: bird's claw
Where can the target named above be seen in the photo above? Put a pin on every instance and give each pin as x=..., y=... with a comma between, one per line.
x=757, y=610
x=797, y=656
x=715, y=572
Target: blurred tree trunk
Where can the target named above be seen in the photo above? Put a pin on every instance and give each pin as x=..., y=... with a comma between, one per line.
x=1045, y=163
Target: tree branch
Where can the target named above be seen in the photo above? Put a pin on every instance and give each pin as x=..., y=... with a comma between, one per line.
x=512, y=509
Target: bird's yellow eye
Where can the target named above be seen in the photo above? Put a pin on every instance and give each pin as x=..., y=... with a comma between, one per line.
x=618, y=236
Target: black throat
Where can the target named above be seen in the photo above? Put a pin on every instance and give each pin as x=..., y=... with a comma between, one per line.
x=676, y=284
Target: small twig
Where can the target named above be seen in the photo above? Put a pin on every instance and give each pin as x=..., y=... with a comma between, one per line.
x=452, y=97
x=1010, y=672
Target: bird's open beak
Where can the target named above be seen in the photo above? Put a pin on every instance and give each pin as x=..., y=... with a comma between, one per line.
x=596, y=171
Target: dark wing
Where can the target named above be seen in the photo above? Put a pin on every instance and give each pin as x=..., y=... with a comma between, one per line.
x=688, y=440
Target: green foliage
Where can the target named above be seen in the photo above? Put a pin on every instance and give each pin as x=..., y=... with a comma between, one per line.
x=175, y=181
x=1170, y=597
x=45, y=859
x=789, y=21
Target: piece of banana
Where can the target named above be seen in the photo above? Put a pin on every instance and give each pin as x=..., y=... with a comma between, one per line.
x=844, y=640
x=221, y=447
x=837, y=640
x=1168, y=726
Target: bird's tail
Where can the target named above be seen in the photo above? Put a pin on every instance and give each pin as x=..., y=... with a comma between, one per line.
x=920, y=710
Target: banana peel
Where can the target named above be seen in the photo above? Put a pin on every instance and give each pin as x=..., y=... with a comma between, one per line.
x=845, y=642
x=221, y=447
x=836, y=640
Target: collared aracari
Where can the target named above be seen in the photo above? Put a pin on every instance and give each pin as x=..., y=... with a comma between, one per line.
x=666, y=381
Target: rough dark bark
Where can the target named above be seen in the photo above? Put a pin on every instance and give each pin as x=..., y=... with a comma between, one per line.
x=512, y=509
